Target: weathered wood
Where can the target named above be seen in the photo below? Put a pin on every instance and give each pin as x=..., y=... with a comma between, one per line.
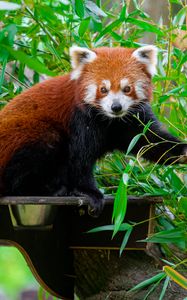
x=72, y=201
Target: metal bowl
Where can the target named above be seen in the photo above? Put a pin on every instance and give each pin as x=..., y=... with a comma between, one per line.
x=30, y=215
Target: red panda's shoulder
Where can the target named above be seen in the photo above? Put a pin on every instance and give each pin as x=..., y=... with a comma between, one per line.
x=51, y=89
x=53, y=98
x=36, y=114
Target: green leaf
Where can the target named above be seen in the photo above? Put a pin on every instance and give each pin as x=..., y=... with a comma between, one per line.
x=7, y=34
x=146, y=127
x=120, y=202
x=83, y=26
x=125, y=239
x=123, y=13
x=79, y=8
x=176, y=182
x=149, y=281
x=101, y=229
x=137, y=137
x=120, y=206
x=108, y=29
x=167, y=262
x=183, y=205
x=151, y=290
x=123, y=227
x=145, y=25
x=4, y=5
x=47, y=13
x=133, y=143
x=168, y=236
x=180, y=17
x=175, y=1
x=7, y=37
x=176, y=276
x=2, y=74
x=96, y=25
x=162, y=294
x=32, y=63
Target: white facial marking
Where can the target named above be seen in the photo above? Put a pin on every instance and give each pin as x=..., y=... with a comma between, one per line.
x=140, y=90
x=107, y=84
x=90, y=93
x=111, y=98
x=123, y=83
x=147, y=55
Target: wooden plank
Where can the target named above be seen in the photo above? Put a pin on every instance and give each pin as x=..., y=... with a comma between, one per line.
x=72, y=201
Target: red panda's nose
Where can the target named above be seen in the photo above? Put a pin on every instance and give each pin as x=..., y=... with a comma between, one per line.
x=116, y=107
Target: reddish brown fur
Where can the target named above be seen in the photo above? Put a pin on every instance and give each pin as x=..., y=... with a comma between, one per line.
x=24, y=118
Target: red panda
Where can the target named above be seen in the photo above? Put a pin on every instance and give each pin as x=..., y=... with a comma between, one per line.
x=52, y=134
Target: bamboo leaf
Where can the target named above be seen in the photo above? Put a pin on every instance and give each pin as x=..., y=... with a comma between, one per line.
x=79, y=8
x=183, y=204
x=108, y=29
x=32, y=63
x=2, y=75
x=133, y=143
x=166, y=282
x=176, y=276
x=145, y=25
x=83, y=26
x=180, y=16
x=123, y=227
x=120, y=206
x=125, y=239
x=149, y=281
x=168, y=236
x=146, y=127
x=123, y=13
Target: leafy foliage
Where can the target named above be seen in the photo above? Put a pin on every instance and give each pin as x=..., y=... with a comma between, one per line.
x=34, y=40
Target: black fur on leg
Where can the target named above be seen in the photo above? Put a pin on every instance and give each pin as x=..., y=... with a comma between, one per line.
x=35, y=170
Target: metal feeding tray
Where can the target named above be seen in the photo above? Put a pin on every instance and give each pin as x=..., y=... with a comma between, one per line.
x=32, y=215
x=49, y=231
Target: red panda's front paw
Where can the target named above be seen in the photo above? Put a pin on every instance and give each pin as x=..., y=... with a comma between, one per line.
x=95, y=206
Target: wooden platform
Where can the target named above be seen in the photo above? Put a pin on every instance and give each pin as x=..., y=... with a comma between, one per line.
x=49, y=249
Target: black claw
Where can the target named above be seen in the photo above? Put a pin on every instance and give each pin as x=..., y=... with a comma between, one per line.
x=95, y=207
x=76, y=193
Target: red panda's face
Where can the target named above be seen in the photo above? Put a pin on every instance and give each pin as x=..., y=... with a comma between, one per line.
x=114, y=79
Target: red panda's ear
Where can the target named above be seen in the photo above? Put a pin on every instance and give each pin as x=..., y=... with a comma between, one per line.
x=79, y=57
x=147, y=55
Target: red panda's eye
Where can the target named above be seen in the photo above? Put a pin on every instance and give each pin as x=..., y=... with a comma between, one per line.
x=104, y=90
x=127, y=89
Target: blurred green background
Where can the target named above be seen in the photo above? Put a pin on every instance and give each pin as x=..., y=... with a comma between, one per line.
x=15, y=275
